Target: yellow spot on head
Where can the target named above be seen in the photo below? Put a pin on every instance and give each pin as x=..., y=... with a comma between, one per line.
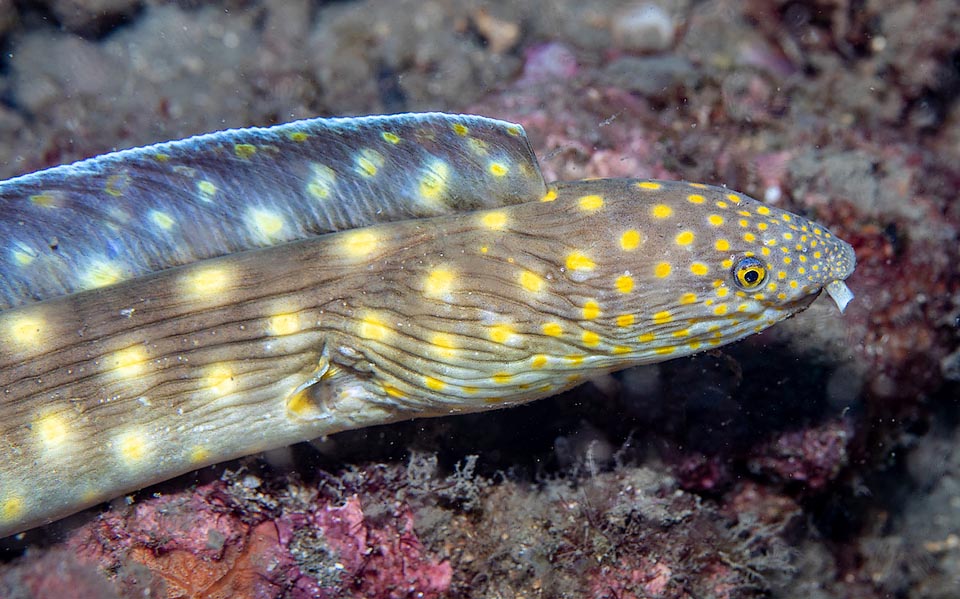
x=162, y=219
x=322, y=182
x=579, y=261
x=552, y=329
x=244, y=151
x=51, y=430
x=44, y=200
x=661, y=211
x=101, y=273
x=720, y=310
x=298, y=136
x=621, y=349
x=495, y=220
x=733, y=198
x=265, y=224
x=433, y=182
x=684, y=238
x=667, y=349
x=625, y=320
x=646, y=338
x=284, y=324
x=389, y=137
x=207, y=281
x=649, y=185
x=591, y=203
x=433, y=383
x=662, y=270
x=498, y=169
x=688, y=298
x=715, y=219
x=550, y=196
x=220, y=379
x=439, y=282
x=538, y=361
x=574, y=359
x=393, y=391
x=444, y=343
x=132, y=447
x=129, y=362
x=699, y=268
x=696, y=198
x=763, y=210
x=460, y=129
x=662, y=317
x=368, y=162
x=11, y=508
x=207, y=190
x=501, y=333
x=749, y=237
x=502, y=378
x=531, y=281
x=591, y=310
x=373, y=327
x=624, y=283
x=591, y=339
x=360, y=243
x=630, y=239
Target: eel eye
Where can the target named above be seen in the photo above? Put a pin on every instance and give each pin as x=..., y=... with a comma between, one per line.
x=749, y=273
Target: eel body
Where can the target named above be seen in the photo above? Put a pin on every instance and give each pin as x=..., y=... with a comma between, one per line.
x=191, y=359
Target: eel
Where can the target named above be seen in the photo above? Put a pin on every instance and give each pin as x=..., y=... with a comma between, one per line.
x=215, y=342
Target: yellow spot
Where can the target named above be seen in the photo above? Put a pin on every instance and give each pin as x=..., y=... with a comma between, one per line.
x=579, y=261
x=162, y=219
x=722, y=204
x=498, y=169
x=624, y=283
x=625, y=320
x=743, y=222
x=220, y=379
x=244, y=151
x=11, y=508
x=647, y=338
x=574, y=359
x=199, y=453
x=722, y=245
x=207, y=281
x=531, y=281
x=630, y=239
x=697, y=185
x=688, y=298
x=591, y=203
x=24, y=255
x=502, y=378
x=715, y=219
x=501, y=333
x=720, y=309
x=129, y=362
x=666, y=349
x=51, y=430
x=661, y=211
x=433, y=182
x=359, y=244
x=552, y=329
x=433, y=383
x=132, y=446
x=389, y=137
x=662, y=317
x=699, y=268
x=684, y=238
x=101, y=273
x=696, y=198
x=484, y=249
x=728, y=263
x=496, y=221
x=550, y=196
x=298, y=136
x=161, y=157
x=781, y=275
x=590, y=339
x=681, y=333
x=116, y=184
x=621, y=349
x=749, y=237
x=761, y=226
x=207, y=190
x=763, y=210
x=662, y=270
x=368, y=162
x=722, y=292
x=284, y=324
x=649, y=185
x=591, y=310
x=478, y=146
x=323, y=181
x=460, y=129
x=439, y=282
x=266, y=224
x=392, y=391
x=44, y=200
x=733, y=198
x=538, y=361
x=373, y=327
x=25, y=330
x=444, y=343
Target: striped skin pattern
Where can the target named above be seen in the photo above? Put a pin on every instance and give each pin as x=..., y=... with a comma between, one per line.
x=112, y=389
x=148, y=209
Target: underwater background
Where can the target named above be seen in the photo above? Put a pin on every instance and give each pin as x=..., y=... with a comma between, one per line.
x=818, y=459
